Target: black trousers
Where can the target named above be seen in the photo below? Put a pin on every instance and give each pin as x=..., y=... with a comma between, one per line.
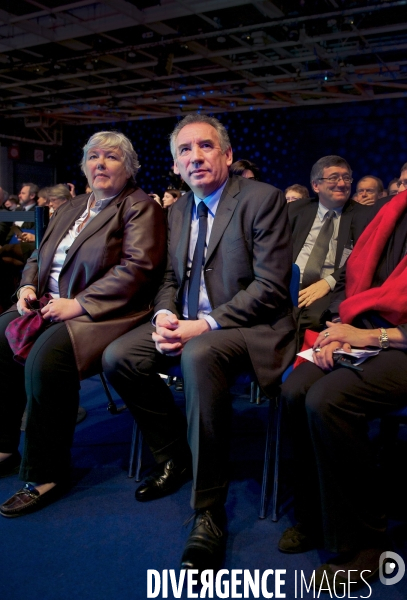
x=209, y=364
x=49, y=385
x=309, y=317
x=338, y=488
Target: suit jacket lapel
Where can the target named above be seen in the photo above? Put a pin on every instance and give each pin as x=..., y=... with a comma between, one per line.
x=224, y=212
x=180, y=232
x=306, y=220
x=58, y=227
x=343, y=233
x=97, y=222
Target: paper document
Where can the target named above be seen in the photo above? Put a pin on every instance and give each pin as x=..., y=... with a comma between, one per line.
x=360, y=353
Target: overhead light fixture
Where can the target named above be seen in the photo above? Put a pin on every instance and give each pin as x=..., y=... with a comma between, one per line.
x=221, y=39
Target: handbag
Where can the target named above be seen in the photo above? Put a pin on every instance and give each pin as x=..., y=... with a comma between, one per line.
x=23, y=331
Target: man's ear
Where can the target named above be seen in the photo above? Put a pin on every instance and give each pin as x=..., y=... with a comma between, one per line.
x=315, y=186
x=176, y=170
x=229, y=156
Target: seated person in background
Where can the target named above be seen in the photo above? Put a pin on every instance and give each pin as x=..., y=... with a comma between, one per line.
x=3, y=197
x=369, y=189
x=339, y=493
x=12, y=203
x=43, y=197
x=324, y=230
x=393, y=187
x=28, y=200
x=55, y=196
x=101, y=259
x=246, y=169
x=402, y=183
x=170, y=196
x=223, y=308
x=296, y=192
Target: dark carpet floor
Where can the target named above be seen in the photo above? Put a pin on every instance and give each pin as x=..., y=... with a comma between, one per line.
x=97, y=542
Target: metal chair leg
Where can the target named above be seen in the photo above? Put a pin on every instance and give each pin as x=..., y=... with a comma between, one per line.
x=255, y=393
x=111, y=406
x=266, y=466
x=274, y=501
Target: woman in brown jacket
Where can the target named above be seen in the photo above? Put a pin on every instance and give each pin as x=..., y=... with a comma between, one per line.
x=101, y=259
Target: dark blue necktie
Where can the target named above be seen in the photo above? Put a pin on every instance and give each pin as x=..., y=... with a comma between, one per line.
x=197, y=262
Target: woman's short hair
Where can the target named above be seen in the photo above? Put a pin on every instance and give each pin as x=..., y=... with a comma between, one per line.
x=238, y=168
x=44, y=192
x=59, y=191
x=113, y=139
x=223, y=135
x=174, y=193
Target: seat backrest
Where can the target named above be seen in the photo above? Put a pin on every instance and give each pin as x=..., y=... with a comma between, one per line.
x=41, y=223
x=41, y=214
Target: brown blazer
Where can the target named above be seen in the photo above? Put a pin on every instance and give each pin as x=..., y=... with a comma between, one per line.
x=247, y=271
x=113, y=269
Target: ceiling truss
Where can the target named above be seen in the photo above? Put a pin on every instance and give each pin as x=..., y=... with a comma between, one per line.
x=117, y=60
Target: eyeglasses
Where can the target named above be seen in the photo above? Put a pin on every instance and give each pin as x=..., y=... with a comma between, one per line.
x=402, y=182
x=336, y=178
x=292, y=198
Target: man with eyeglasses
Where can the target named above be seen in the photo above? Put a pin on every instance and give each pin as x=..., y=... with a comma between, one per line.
x=402, y=182
x=368, y=190
x=324, y=231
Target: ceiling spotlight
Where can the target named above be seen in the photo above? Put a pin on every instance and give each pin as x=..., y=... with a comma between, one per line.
x=88, y=66
x=131, y=54
x=221, y=39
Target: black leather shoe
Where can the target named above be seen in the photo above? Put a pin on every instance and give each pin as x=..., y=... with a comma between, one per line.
x=11, y=465
x=167, y=478
x=205, y=545
x=298, y=539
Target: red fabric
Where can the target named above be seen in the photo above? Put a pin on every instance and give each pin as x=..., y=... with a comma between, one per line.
x=390, y=299
x=309, y=340
x=22, y=332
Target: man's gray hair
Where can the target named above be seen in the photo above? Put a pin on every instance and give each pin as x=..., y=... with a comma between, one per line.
x=403, y=168
x=223, y=135
x=325, y=162
x=109, y=140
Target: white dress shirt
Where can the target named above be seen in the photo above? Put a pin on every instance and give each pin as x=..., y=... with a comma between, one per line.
x=66, y=242
x=204, y=306
x=306, y=250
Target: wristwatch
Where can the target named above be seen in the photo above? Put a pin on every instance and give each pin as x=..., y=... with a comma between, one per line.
x=383, y=339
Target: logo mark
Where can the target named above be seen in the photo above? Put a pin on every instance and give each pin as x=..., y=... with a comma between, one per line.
x=391, y=568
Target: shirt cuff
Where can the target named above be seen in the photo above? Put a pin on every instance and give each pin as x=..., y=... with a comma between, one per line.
x=211, y=321
x=331, y=281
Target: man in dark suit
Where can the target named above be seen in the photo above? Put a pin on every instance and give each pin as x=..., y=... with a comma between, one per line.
x=223, y=308
x=342, y=220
